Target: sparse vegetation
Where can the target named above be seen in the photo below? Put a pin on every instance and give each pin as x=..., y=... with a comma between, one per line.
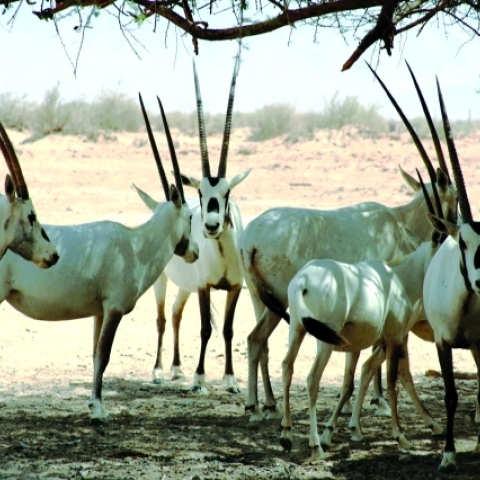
x=114, y=112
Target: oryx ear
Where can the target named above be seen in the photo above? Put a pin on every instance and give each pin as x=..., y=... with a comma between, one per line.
x=175, y=196
x=412, y=182
x=146, y=198
x=9, y=188
x=239, y=178
x=190, y=181
x=443, y=226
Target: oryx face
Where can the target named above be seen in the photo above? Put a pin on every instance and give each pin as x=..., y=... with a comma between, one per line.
x=469, y=244
x=187, y=248
x=213, y=193
x=26, y=237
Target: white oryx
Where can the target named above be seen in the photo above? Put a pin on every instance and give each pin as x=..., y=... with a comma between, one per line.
x=451, y=295
x=276, y=244
x=350, y=307
x=104, y=268
x=21, y=231
x=216, y=226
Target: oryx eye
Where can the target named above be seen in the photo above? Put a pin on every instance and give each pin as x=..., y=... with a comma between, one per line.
x=32, y=218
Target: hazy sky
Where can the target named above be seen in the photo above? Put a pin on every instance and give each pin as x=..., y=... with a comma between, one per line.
x=284, y=66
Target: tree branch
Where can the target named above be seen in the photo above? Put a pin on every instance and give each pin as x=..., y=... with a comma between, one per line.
x=394, y=17
x=383, y=30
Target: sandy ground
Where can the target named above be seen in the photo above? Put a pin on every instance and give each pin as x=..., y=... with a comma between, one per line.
x=167, y=432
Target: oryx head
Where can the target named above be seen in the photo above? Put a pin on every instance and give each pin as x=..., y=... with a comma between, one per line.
x=214, y=190
x=20, y=230
x=186, y=248
x=446, y=194
x=467, y=234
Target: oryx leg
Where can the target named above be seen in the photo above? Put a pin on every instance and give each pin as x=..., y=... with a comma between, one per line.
x=369, y=368
x=475, y=349
x=351, y=360
x=199, y=384
x=177, y=313
x=407, y=382
x=160, y=289
x=231, y=304
x=395, y=355
x=449, y=459
x=103, y=340
x=383, y=407
x=297, y=334
x=257, y=342
x=324, y=352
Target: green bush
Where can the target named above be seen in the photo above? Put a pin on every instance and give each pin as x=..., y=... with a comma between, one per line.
x=111, y=112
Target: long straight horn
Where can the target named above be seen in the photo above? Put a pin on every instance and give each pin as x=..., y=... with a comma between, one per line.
x=431, y=126
x=436, y=237
x=176, y=168
x=463, y=202
x=13, y=164
x=201, y=126
x=428, y=201
x=158, y=161
x=222, y=166
x=413, y=134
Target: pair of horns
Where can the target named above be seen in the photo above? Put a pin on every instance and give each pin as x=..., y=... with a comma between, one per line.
x=156, y=154
x=13, y=164
x=222, y=166
x=463, y=202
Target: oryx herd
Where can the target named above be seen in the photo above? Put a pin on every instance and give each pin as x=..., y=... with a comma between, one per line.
x=356, y=277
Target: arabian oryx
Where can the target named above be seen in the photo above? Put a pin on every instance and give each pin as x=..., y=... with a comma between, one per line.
x=350, y=307
x=451, y=296
x=349, y=234
x=104, y=268
x=216, y=226
x=21, y=231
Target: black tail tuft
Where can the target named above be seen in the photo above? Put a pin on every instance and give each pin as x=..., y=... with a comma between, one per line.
x=321, y=331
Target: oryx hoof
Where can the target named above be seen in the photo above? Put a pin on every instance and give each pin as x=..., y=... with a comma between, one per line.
x=272, y=412
x=449, y=463
x=199, y=390
x=233, y=389
x=316, y=456
x=177, y=373
x=286, y=443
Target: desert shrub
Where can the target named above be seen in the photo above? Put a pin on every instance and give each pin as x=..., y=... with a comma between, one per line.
x=272, y=121
x=51, y=116
x=15, y=111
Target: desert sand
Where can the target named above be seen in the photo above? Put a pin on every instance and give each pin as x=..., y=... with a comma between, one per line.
x=167, y=432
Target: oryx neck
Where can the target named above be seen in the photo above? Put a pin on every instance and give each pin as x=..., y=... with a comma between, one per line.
x=414, y=216
x=153, y=242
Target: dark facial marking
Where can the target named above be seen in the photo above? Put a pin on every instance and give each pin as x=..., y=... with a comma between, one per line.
x=476, y=259
x=213, y=206
x=463, y=268
x=213, y=181
x=32, y=218
x=44, y=235
x=182, y=247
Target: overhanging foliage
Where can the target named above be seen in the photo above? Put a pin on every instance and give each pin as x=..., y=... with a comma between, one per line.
x=374, y=20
